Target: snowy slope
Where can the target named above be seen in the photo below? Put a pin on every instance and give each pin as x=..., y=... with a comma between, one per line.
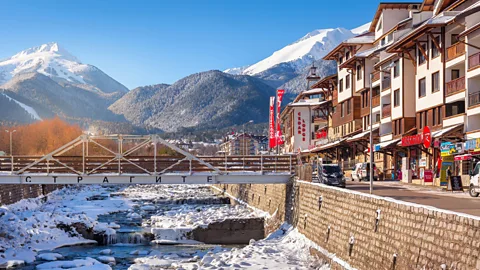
x=313, y=46
x=54, y=61
x=27, y=108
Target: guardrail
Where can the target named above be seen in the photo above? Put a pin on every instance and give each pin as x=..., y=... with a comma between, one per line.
x=454, y=86
x=473, y=99
x=474, y=60
x=455, y=50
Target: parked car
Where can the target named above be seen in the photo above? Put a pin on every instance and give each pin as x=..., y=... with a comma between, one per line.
x=359, y=172
x=474, y=189
x=332, y=175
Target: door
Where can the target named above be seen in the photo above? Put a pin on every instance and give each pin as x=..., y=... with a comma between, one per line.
x=455, y=74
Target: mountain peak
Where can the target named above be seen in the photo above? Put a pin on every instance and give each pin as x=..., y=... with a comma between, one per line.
x=52, y=48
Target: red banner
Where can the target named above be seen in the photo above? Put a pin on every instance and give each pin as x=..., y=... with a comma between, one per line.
x=271, y=135
x=280, y=93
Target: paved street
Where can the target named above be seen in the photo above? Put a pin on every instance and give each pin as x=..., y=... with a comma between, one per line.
x=459, y=202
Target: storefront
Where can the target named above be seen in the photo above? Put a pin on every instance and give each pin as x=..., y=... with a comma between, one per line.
x=419, y=161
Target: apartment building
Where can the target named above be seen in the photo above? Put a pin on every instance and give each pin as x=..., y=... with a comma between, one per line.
x=244, y=144
x=422, y=60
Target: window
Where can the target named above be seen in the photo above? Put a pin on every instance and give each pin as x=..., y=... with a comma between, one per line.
x=341, y=109
x=454, y=108
x=421, y=56
x=390, y=37
x=435, y=82
x=341, y=60
x=435, y=51
x=340, y=85
x=396, y=68
x=439, y=118
x=334, y=109
x=347, y=82
x=425, y=116
x=396, y=98
x=454, y=39
x=347, y=56
x=382, y=42
x=420, y=120
x=422, y=91
x=434, y=118
x=455, y=74
x=377, y=118
x=349, y=107
x=379, y=25
x=359, y=72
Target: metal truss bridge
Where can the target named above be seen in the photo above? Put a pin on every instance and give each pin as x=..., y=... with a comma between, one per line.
x=132, y=159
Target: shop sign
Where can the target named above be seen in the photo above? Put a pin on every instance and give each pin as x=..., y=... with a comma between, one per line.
x=412, y=140
x=427, y=137
x=449, y=149
x=377, y=148
x=320, y=134
x=472, y=145
x=463, y=157
x=436, y=143
x=422, y=162
x=428, y=176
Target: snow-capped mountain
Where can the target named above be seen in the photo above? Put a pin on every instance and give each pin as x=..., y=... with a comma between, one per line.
x=55, y=62
x=291, y=61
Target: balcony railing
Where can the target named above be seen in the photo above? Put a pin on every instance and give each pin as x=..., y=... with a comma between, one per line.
x=455, y=50
x=376, y=76
x=454, y=86
x=386, y=111
x=386, y=83
x=473, y=99
x=376, y=101
x=474, y=60
x=319, y=119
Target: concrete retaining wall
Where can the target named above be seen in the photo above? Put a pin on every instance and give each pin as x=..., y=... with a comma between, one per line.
x=406, y=236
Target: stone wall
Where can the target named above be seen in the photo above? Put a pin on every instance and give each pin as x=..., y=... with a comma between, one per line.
x=231, y=231
x=12, y=193
x=406, y=236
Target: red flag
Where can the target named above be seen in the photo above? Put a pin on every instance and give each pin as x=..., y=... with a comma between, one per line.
x=271, y=136
x=280, y=93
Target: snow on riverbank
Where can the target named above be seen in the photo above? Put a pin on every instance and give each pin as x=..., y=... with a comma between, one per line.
x=284, y=249
x=31, y=225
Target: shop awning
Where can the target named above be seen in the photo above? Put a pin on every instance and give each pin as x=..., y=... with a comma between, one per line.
x=327, y=146
x=361, y=135
x=446, y=131
x=382, y=145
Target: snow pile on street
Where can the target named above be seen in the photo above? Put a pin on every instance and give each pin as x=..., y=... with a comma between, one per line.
x=32, y=225
x=284, y=249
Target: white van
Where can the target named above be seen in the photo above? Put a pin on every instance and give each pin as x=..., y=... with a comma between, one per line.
x=474, y=188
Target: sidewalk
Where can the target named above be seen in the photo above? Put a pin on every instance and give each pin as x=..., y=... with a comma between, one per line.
x=427, y=195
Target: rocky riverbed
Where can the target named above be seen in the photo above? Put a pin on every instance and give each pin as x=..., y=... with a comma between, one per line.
x=144, y=227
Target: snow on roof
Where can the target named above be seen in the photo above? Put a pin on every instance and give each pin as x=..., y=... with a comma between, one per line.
x=360, y=135
x=306, y=103
x=360, y=39
x=313, y=91
x=444, y=131
x=361, y=29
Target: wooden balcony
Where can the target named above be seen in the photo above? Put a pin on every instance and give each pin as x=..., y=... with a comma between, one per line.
x=386, y=83
x=474, y=60
x=376, y=101
x=319, y=119
x=473, y=99
x=455, y=86
x=455, y=51
x=334, y=97
x=376, y=76
x=386, y=111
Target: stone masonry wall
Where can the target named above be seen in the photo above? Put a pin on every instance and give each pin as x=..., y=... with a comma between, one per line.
x=406, y=236
x=11, y=193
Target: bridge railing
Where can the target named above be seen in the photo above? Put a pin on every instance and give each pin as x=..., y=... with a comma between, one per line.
x=146, y=164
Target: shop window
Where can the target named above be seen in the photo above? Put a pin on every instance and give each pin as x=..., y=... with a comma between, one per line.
x=436, y=82
x=422, y=91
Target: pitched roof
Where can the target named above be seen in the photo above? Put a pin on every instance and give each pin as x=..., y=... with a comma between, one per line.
x=388, y=5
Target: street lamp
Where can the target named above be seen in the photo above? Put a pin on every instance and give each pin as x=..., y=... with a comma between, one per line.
x=386, y=69
x=11, y=133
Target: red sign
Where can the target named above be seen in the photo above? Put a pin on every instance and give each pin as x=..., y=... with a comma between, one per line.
x=321, y=134
x=412, y=140
x=424, y=138
x=463, y=157
x=280, y=93
x=428, y=176
x=271, y=135
x=427, y=137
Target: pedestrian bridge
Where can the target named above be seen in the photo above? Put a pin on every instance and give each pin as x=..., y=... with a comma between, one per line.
x=133, y=159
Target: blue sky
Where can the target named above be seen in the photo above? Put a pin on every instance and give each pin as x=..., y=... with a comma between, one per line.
x=148, y=42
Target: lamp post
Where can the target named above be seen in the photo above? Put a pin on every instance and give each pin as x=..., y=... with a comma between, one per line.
x=387, y=69
x=11, y=133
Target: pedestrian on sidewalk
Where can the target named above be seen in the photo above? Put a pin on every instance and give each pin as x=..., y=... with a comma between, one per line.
x=449, y=172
